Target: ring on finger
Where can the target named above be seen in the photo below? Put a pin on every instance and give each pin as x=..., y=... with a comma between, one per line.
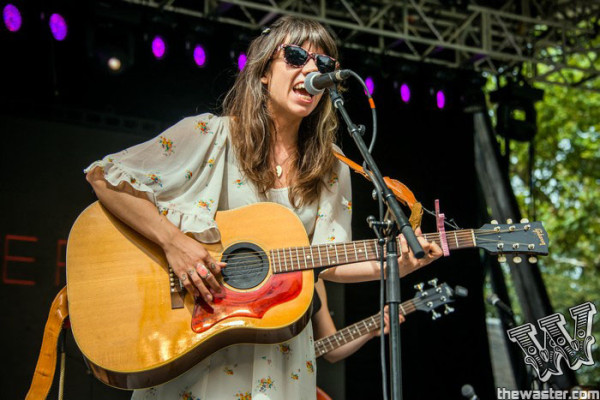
x=202, y=271
x=183, y=277
x=208, y=275
x=212, y=266
x=190, y=271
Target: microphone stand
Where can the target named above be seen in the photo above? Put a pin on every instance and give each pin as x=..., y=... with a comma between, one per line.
x=390, y=229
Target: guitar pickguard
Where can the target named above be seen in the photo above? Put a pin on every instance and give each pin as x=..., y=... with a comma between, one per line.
x=253, y=304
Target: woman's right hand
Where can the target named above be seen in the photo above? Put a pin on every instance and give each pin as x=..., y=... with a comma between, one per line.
x=188, y=259
x=194, y=266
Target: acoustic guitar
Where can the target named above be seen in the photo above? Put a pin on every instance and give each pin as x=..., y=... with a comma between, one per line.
x=136, y=327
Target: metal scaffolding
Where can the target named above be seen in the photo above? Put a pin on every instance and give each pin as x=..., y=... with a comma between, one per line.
x=553, y=41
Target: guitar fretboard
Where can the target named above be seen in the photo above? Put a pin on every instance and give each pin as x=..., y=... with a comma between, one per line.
x=354, y=331
x=459, y=239
x=328, y=255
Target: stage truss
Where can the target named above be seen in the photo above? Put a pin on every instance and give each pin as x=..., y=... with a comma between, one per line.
x=553, y=41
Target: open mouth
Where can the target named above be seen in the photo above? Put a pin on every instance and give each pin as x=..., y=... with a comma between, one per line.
x=300, y=90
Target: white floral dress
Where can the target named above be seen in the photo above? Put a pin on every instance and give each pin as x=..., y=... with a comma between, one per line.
x=189, y=172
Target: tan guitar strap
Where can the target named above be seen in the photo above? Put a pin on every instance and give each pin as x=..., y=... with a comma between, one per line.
x=401, y=191
x=43, y=375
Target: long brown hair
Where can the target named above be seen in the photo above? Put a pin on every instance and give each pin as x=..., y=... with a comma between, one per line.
x=252, y=128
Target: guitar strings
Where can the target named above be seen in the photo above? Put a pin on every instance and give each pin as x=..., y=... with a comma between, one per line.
x=249, y=267
x=347, y=331
x=328, y=248
x=331, y=251
x=407, y=306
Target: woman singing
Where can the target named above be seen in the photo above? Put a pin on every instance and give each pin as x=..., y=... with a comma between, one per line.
x=273, y=143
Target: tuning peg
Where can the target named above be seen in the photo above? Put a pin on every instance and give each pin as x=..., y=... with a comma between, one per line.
x=433, y=282
x=501, y=259
x=524, y=221
x=494, y=222
x=435, y=315
x=509, y=221
x=517, y=260
x=532, y=260
x=461, y=291
x=448, y=309
x=419, y=286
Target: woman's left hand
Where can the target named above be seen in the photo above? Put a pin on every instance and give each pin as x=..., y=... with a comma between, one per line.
x=408, y=262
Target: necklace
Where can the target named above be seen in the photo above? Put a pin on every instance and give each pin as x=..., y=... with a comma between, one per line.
x=279, y=167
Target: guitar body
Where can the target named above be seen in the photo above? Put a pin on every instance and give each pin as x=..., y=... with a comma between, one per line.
x=125, y=317
x=321, y=395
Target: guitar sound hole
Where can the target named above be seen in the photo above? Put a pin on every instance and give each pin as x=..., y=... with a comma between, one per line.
x=247, y=265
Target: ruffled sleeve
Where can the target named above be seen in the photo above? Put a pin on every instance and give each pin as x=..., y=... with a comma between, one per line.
x=334, y=215
x=181, y=172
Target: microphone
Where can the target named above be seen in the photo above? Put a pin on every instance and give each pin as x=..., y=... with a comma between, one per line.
x=468, y=392
x=316, y=82
x=494, y=300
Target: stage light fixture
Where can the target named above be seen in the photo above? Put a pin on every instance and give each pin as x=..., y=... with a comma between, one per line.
x=159, y=47
x=12, y=17
x=58, y=27
x=370, y=85
x=114, y=64
x=111, y=46
x=405, y=92
x=516, y=113
x=440, y=99
x=241, y=61
x=199, y=55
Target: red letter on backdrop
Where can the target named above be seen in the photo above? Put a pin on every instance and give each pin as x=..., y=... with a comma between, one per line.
x=60, y=263
x=8, y=258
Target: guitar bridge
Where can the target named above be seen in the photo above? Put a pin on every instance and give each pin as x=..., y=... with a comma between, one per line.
x=177, y=290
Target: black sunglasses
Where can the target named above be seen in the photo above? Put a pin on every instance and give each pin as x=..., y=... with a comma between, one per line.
x=296, y=56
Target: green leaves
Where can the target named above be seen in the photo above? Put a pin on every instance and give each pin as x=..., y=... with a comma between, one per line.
x=566, y=195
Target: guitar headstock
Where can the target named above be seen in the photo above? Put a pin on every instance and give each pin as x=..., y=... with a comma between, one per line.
x=428, y=299
x=525, y=238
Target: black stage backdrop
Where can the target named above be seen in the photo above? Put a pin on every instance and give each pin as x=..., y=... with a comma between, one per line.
x=61, y=113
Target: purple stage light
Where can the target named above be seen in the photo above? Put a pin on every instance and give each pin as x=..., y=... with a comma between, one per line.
x=405, y=93
x=199, y=55
x=370, y=85
x=12, y=18
x=159, y=47
x=440, y=99
x=242, y=61
x=58, y=27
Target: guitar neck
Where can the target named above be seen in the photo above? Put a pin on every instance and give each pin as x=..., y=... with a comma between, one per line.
x=328, y=255
x=354, y=331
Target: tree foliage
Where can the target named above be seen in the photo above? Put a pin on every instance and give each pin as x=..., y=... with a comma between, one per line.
x=566, y=197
